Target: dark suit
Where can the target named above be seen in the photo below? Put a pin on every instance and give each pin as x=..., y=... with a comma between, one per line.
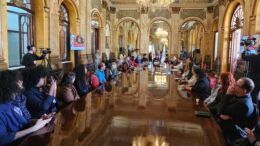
x=201, y=88
x=240, y=109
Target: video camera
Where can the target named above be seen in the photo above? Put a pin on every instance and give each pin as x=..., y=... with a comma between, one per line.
x=248, y=41
x=45, y=51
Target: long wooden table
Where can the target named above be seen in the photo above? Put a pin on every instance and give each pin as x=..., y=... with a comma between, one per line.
x=141, y=108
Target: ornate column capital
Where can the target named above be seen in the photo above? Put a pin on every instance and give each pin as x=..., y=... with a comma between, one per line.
x=176, y=10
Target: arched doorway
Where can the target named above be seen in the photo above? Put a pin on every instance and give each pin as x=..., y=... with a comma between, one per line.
x=20, y=29
x=64, y=33
x=96, y=34
x=108, y=41
x=257, y=11
x=159, y=38
x=192, y=38
x=236, y=26
x=128, y=34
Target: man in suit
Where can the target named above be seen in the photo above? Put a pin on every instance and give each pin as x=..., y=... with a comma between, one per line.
x=238, y=108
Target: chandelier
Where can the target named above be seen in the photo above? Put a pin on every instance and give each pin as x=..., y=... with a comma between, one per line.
x=153, y=4
x=161, y=33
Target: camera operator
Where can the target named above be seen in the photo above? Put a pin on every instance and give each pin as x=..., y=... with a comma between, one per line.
x=253, y=70
x=30, y=59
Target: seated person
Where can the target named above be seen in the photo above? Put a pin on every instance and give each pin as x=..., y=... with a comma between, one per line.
x=239, y=110
x=187, y=70
x=39, y=102
x=132, y=62
x=69, y=92
x=174, y=61
x=14, y=116
x=215, y=104
x=167, y=60
x=94, y=82
x=81, y=82
x=179, y=66
x=100, y=73
x=201, y=87
x=144, y=59
x=138, y=59
x=214, y=91
x=114, y=70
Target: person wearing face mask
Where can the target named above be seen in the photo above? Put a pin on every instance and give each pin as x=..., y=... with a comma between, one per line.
x=114, y=70
x=216, y=103
x=39, y=102
x=69, y=92
x=14, y=116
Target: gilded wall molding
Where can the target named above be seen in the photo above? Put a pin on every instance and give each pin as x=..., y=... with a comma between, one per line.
x=216, y=12
x=96, y=4
x=128, y=13
x=200, y=13
x=160, y=13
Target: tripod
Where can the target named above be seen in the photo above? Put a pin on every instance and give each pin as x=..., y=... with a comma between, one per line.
x=46, y=62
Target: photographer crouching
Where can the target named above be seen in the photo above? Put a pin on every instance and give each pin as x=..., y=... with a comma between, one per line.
x=30, y=59
x=253, y=70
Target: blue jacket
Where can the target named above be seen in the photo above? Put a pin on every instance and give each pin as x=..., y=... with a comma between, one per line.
x=38, y=103
x=101, y=76
x=12, y=120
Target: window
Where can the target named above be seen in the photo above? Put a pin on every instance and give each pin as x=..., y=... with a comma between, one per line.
x=215, y=45
x=20, y=29
x=235, y=35
x=64, y=33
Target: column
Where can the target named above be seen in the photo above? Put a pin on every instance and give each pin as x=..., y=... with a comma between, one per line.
x=3, y=36
x=144, y=33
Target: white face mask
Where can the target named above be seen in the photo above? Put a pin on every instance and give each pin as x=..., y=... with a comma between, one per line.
x=114, y=66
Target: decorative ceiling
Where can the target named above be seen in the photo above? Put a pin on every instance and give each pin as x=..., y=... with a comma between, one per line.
x=118, y=2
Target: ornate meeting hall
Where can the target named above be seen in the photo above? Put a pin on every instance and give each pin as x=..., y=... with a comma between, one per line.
x=129, y=72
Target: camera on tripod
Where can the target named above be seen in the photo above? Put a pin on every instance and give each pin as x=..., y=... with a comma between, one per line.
x=45, y=51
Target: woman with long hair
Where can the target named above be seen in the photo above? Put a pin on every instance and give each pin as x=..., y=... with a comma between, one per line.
x=14, y=116
x=81, y=80
x=226, y=80
x=69, y=92
x=202, y=87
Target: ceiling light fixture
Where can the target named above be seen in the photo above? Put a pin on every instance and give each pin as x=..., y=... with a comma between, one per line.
x=153, y=4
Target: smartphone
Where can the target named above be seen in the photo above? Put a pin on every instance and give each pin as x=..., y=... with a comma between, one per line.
x=242, y=131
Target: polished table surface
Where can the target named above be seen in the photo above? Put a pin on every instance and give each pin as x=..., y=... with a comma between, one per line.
x=142, y=109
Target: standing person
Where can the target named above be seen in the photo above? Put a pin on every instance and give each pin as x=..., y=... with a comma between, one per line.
x=253, y=72
x=30, y=59
x=14, y=116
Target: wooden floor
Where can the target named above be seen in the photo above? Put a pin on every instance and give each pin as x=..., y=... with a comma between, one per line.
x=143, y=109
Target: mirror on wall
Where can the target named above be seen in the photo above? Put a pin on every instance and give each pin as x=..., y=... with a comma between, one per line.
x=128, y=34
x=192, y=33
x=159, y=40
